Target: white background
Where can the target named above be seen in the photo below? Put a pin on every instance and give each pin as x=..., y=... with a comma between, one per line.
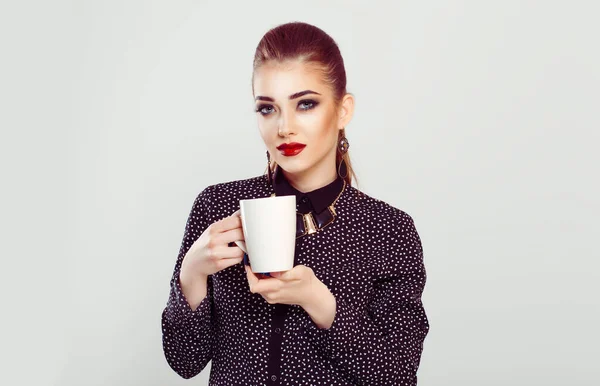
x=478, y=118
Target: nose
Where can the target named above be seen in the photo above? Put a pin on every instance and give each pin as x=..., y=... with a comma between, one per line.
x=286, y=124
x=283, y=132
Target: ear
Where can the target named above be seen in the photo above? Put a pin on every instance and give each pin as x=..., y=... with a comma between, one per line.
x=346, y=111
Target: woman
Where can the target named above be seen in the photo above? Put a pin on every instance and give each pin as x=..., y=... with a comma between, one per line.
x=350, y=310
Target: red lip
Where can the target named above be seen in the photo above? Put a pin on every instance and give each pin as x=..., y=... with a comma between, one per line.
x=291, y=149
x=292, y=145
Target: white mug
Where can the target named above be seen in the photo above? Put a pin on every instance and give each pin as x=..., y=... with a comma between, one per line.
x=269, y=226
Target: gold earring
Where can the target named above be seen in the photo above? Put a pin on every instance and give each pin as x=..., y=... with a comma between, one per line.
x=343, y=166
x=343, y=143
x=269, y=177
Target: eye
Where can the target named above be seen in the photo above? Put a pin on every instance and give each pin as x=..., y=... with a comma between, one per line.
x=308, y=103
x=263, y=109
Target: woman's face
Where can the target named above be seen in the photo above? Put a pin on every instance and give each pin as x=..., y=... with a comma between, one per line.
x=294, y=105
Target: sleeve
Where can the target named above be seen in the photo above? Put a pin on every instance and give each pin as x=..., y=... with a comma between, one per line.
x=188, y=336
x=381, y=344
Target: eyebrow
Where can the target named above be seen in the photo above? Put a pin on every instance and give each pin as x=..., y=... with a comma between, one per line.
x=293, y=96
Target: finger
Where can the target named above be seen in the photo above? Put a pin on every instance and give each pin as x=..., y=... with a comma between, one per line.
x=252, y=279
x=226, y=263
x=270, y=298
x=261, y=285
x=228, y=223
x=266, y=286
x=225, y=252
x=230, y=236
x=289, y=275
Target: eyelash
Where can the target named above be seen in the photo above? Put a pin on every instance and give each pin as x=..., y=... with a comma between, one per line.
x=312, y=103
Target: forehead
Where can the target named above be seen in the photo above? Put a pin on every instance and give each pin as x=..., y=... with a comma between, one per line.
x=281, y=79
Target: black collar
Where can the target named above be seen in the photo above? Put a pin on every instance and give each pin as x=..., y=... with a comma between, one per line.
x=319, y=198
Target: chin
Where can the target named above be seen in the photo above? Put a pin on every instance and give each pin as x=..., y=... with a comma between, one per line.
x=292, y=166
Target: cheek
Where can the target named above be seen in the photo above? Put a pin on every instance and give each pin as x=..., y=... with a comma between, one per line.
x=265, y=128
x=315, y=121
x=326, y=134
x=318, y=127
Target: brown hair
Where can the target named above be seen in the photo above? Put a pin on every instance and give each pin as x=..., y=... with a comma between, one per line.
x=309, y=44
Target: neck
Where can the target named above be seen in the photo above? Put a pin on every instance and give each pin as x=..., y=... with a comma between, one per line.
x=314, y=178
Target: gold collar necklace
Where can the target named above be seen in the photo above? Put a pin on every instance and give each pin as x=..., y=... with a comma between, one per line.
x=307, y=223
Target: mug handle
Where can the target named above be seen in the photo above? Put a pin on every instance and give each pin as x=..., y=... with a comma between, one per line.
x=242, y=245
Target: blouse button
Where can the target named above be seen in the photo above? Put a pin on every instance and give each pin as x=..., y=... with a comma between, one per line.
x=273, y=378
x=278, y=330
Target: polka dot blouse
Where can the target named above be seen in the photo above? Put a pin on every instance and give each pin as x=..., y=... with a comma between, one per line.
x=370, y=258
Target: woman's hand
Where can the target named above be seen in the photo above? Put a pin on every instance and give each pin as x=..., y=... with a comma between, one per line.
x=298, y=286
x=289, y=287
x=210, y=253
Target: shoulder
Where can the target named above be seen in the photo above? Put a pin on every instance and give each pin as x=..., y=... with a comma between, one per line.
x=253, y=187
x=392, y=230
x=234, y=187
x=377, y=208
x=223, y=197
x=391, y=224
